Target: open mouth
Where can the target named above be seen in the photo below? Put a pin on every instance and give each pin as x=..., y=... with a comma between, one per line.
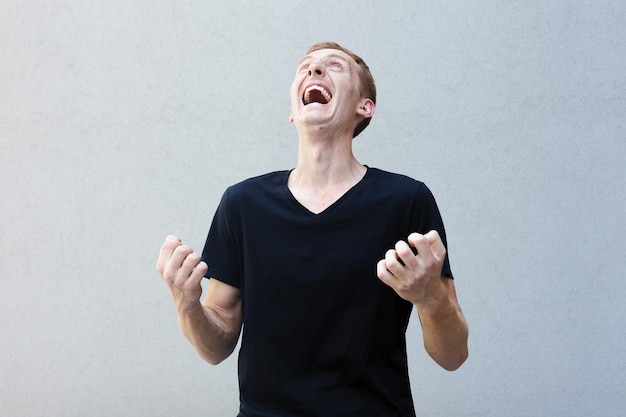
x=316, y=94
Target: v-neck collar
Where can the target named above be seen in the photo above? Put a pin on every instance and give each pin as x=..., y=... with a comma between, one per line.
x=332, y=206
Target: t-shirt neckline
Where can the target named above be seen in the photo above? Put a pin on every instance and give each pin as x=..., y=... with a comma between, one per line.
x=332, y=206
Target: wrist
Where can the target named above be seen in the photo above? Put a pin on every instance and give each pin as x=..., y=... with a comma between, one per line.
x=188, y=308
x=436, y=307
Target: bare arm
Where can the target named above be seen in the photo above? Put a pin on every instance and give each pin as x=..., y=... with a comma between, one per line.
x=213, y=325
x=445, y=330
x=417, y=278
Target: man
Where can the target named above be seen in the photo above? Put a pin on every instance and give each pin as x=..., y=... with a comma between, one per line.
x=322, y=266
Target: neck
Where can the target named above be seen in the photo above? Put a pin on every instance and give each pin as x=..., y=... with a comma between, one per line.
x=323, y=161
x=326, y=170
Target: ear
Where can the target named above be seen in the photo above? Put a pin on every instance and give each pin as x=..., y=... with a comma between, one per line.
x=366, y=108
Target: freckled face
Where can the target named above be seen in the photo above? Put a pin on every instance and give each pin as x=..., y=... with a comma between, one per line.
x=325, y=89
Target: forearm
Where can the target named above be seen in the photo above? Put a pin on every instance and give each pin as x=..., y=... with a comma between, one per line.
x=445, y=334
x=210, y=335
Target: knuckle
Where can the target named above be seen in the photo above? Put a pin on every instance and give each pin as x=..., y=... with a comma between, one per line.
x=430, y=264
x=404, y=288
x=171, y=274
x=187, y=285
x=433, y=234
x=169, y=277
x=413, y=237
x=193, y=258
x=419, y=239
x=182, y=250
x=401, y=246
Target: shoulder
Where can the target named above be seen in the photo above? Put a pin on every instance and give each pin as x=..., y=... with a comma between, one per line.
x=257, y=184
x=394, y=182
x=255, y=192
x=400, y=189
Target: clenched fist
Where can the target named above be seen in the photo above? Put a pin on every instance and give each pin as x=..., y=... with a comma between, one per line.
x=182, y=270
x=416, y=277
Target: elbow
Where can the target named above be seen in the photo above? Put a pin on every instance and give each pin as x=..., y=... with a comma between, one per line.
x=214, y=359
x=453, y=366
x=454, y=362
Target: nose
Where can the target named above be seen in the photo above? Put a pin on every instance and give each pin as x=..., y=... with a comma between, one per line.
x=315, y=68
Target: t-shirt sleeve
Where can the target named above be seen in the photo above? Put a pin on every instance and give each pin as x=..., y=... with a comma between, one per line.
x=427, y=211
x=222, y=249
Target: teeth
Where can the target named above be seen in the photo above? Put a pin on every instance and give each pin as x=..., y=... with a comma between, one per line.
x=307, y=93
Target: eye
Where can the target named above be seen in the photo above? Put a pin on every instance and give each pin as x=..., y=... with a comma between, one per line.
x=303, y=68
x=335, y=66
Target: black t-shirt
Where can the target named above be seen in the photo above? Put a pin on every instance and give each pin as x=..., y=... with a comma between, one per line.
x=322, y=335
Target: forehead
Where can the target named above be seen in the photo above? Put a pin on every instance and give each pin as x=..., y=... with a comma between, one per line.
x=329, y=53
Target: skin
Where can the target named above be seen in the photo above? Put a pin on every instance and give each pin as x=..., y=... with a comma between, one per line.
x=419, y=281
x=326, y=169
x=212, y=325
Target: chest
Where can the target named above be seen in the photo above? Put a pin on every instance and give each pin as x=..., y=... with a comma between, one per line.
x=316, y=200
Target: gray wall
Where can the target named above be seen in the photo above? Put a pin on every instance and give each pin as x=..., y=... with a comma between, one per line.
x=123, y=121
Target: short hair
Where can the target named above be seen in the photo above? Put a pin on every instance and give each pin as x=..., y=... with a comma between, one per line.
x=368, y=87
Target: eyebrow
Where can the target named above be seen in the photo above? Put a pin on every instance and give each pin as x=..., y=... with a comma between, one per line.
x=331, y=55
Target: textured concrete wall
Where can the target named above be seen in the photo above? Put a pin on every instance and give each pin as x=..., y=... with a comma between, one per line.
x=123, y=121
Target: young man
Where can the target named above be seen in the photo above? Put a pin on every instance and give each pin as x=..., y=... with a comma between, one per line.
x=322, y=266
